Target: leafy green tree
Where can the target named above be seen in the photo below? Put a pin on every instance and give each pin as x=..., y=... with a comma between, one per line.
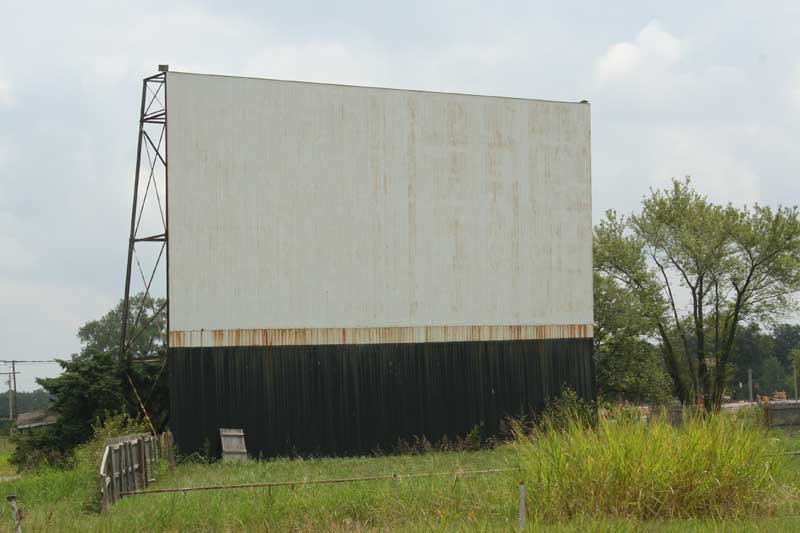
x=771, y=376
x=752, y=346
x=786, y=337
x=793, y=377
x=629, y=367
x=96, y=382
x=699, y=271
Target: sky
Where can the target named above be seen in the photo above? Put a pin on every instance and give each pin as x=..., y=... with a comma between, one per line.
x=710, y=90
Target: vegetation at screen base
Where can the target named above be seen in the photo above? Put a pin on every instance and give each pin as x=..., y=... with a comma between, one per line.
x=74, y=478
x=6, y=449
x=722, y=472
x=733, y=265
x=94, y=383
x=722, y=466
x=563, y=411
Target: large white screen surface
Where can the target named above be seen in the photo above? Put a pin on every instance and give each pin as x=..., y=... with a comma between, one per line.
x=303, y=205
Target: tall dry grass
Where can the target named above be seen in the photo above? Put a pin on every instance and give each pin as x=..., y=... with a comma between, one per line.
x=708, y=467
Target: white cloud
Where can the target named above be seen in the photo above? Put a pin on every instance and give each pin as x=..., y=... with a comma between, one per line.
x=710, y=157
x=794, y=88
x=653, y=52
x=13, y=255
x=659, y=44
x=619, y=62
x=329, y=62
x=41, y=321
x=5, y=93
x=6, y=97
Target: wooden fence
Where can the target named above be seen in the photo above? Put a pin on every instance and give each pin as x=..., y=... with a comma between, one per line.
x=128, y=463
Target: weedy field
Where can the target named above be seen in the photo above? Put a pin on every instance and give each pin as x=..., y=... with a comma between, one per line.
x=6, y=469
x=726, y=473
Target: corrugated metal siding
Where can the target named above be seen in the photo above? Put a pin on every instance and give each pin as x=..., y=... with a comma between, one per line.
x=311, y=206
x=350, y=399
x=301, y=337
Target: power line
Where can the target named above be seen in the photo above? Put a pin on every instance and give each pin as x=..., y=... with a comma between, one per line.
x=18, y=361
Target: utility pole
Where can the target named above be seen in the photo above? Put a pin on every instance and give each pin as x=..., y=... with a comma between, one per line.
x=11, y=389
x=12, y=413
x=750, y=383
x=794, y=367
x=12, y=382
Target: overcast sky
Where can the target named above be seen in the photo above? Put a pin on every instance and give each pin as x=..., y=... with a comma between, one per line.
x=676, y=88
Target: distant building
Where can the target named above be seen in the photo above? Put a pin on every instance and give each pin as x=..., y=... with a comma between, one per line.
x=36, y=419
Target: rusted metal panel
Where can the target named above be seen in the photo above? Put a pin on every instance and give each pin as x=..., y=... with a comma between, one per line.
x=306, y=213
x=324, y=336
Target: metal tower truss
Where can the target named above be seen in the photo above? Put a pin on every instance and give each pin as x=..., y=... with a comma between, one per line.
x=148, y=234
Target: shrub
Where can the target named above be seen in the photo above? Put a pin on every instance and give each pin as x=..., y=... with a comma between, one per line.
x=710, y=466
x=42, y=446
x=36, y=447
x=113, y=425
x=70, y=476
x=565, y=410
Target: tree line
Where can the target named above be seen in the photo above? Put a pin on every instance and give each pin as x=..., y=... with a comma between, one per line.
x=683, y=278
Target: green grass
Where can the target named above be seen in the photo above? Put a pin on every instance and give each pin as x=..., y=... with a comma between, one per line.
x=623, y=476
x=6, y=469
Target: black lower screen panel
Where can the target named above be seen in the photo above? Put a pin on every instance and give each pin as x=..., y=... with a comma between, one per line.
x=351, y=399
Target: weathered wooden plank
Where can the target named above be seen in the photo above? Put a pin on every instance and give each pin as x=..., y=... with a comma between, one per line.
x=115, y=480
x=105, y=465
x=129, y=465
x=233, y=444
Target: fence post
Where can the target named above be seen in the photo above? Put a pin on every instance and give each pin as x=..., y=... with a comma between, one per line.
x=151, y=465
x=123, y=455
x=129, y=467
x=103, y=492
x=140, y=455
x=105, y=463
x=522, y=506
x=124, y=450
x=134, y=466
x=12, y=502
x=120, y=469
x=132, y=457
x=114, y=470
x=170, y=454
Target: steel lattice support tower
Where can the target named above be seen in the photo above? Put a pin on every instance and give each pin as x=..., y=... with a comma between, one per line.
x=151, y=175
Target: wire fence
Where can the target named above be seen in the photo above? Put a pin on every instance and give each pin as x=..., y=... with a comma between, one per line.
x=297, y=483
